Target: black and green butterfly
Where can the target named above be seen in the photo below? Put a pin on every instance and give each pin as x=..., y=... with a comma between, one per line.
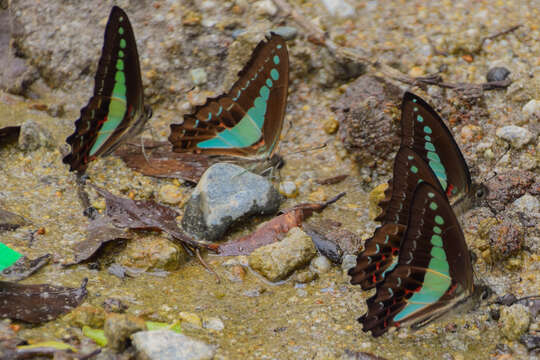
x=246, y=121
x=428, y=153
x=433, y=272
x=116, y=111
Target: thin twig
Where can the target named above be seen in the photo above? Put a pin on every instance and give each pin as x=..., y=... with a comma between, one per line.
x=206, y=266
x=500, y=33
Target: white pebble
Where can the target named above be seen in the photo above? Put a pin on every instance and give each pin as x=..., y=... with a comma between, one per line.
x=516, y=135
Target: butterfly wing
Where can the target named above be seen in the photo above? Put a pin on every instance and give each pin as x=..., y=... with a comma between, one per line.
x=381, y=250
x=433, y=272
x=424, y=131
x=247, y=120
x=116, y=110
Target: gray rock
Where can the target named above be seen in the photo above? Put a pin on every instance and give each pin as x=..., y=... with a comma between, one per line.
x=339, y=8
x=514, y=321
x=288, y=189
x=515, y=135
x=225, y=194
x=169, y=345
x=33, y=136
x=278, y=260
x=198, y=76
x=320, y=265
x=527, y=204
x=531, y=109
x=213, y=323
x=286, y=32
x=11, y=221
x=497, y=73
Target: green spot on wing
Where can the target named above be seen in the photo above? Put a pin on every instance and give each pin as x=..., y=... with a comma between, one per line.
x=121, y=30
x=414, y=169
x=420, y=119
x=433, y=205
x=427, y=130
x=433, y=156
x=122, y=43
x=274, y=74
x=437, y=230
x=439, y=220
x=276, y=59
x=438, y=252
x=436, y=240
x=429, y=146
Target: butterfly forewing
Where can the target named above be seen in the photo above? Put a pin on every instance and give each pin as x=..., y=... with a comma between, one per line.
x=381, y=250
x=424, y=131
x=433, y=271
x=116, y=110
x=247, y=120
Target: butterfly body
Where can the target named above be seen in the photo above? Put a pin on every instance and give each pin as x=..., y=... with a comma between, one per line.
x=246, y=122
x=116, y=111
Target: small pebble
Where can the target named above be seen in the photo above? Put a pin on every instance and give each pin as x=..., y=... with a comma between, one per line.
x=171, y=194
x=531, y=109
x=265, y=7
x=497, y=73
x=213, y=323
x=305, y=276
x=320, y=265
x=339, y=8
x=527, y=204
x=191, y=319
x=33, y=136
x=286, y=32
x=348, y=262
x=331, y=125
x=288, y=189
x=516, y=135
x=468, y=132
x=198, y=76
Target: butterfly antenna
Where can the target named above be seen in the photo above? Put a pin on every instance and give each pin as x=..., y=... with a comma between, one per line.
x=485, y=180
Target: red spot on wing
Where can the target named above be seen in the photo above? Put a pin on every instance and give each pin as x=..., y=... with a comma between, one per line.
x=449, y=190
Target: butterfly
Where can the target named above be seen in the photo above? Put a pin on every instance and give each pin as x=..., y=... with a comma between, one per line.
x=428, y=153
x=116, y=111
x=245, y=122
x=433, y=272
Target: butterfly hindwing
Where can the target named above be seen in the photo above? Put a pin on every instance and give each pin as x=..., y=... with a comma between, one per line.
x=424, y=131
x=381, y=250
x=116, y=110
x=433, y=272
x=247, y=120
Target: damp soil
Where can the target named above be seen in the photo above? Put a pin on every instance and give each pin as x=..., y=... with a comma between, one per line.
x=286, y=321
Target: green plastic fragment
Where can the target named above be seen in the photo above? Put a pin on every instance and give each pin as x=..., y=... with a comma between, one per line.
x=48, y=344
x=98, y=335
x=8, y=257
x=154, y=325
